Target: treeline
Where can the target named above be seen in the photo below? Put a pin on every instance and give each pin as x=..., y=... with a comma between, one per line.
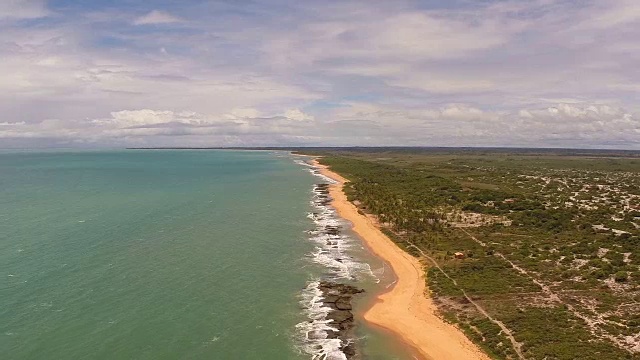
x=408, y=201
x=415, y=200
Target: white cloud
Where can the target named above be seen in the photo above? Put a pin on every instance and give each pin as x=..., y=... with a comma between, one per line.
x=563, y=125
x=476, y=73
x=398, y=41
x=611, y=14
x=133, y=118
x=156, y=17
x=241, y=113
x=23, y=9
x=462, y=112
x=298, y=115
x=6, y=123
x=441, y=83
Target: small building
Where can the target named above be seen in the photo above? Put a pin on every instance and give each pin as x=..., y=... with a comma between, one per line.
x=459, y=255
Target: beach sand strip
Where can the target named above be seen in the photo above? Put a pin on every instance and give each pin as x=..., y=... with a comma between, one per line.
x=404, y=309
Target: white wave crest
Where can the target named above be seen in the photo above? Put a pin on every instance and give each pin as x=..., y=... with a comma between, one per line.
x=315, y=330
x=332, y=252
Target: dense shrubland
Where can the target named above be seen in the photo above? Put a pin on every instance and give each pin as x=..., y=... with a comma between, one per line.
x=551, y=243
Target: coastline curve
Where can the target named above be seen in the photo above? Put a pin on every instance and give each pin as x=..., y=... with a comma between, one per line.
x=403, y=309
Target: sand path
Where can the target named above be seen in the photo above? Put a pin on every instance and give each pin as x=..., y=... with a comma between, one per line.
x=404, y=309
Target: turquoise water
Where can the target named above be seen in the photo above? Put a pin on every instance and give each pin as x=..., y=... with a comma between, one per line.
x=155, y=255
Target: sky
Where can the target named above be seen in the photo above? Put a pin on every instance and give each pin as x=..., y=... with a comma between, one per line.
x=116, y=73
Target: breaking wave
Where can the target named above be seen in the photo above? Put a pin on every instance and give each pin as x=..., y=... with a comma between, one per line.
x=332, y=252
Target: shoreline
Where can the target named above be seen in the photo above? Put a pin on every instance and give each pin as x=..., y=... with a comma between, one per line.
x=403, y=309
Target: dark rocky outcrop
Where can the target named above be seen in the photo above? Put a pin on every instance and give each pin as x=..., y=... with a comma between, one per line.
x=338, y=297
x=332, y=230
x=322, y=192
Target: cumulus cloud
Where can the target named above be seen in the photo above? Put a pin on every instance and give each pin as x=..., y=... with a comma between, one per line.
x=298, y=115
x=156, y=17
x=395, y=38
x=146, y=117
x=462, y=112
x=535, y=73
x=561, y=125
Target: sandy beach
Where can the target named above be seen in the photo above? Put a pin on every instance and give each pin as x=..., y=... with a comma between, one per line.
x=404, y=310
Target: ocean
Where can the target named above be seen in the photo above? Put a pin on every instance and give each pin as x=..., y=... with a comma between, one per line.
x=183, y=254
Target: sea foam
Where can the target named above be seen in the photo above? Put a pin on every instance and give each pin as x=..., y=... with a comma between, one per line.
x=332, y=252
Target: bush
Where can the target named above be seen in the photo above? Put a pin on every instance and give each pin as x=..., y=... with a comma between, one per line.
x=599, y=274
x=620, y=276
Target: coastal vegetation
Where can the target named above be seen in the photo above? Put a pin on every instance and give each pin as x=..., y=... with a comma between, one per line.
x=533, y=255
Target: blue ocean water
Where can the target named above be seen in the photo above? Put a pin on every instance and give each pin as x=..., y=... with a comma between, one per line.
x=154, y=254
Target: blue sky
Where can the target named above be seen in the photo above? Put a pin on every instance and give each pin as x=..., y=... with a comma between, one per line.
x=539, y=73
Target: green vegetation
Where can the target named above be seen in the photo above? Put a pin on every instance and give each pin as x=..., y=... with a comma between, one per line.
x=550, y=242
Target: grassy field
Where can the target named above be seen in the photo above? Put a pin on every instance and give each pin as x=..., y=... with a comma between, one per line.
x=550, y=241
